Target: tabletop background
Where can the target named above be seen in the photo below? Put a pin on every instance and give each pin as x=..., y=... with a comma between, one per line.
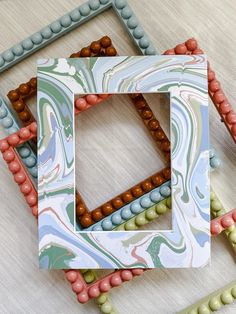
x=26, y=289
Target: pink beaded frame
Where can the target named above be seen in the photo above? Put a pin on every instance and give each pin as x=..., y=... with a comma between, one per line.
x=223, y=222
x=16, y=166
x=216, y=93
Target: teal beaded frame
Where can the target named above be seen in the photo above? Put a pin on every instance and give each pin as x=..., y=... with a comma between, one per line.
x=72, y=20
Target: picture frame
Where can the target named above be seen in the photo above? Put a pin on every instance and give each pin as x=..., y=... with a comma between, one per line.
x=69, y=73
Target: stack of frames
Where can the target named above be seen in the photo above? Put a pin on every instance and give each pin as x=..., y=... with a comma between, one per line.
x=153, y=193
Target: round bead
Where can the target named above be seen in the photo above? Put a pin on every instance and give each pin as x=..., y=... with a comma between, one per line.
x=94, y=4
x=132, y=22
x=218, y=97
x=191, y=44
x=95, y=46
x=116, y=219
x=20, y=177
x=126, y=13
x=107, y=209
x=24, y=133
x=127, y=197
x=3, y=113
x=143, y=43
x=126, y=275
x=130, y=225
x=97, y=214
x=26, y=188
x=115, y=280
x=71, y=276
x=83, y=297
x=56, y=27
x=137, y=271
x=126, y=213
x=8, y=156
x=215, y=228
x=135, y=208
x=161, y=208
x=150, y=214
x=231, y=118
x=37, y=38
x=33, y=127
x=34, y=171
x=24, y=152
x=225, y=107
x=81, y=104
x=84, y=9
x=111, y=51
x=86, y=221
x=120, y=4
x=232, y=236
x=46, y=32
x=233, y=292
x=14, y=167
x=147, y=186
x=140, y=220
x=97, y=228
x=203, y=309
x=138, y=32
x=107, y=224
x=211, y=75
x=169, y=52
x=7, y=122
x=77, y=286
x=106, y=308
x=117, y=202
x=18, y=50
x=30, y=162
x=216, y=205
x=150, y=50
x=13, y=139
x=197, y=51
x=155, y=196
x=1, y=61
x=214, y=86
x=227, y=221
x=89, y=276
x=137, y=191
x=105, y=41
x=92, y=99
x=105, y=285
x=214, y=304
x=65, y=20
x=226, y=298
x=4, y=145
x=180, y=49
x=8, y=56
x=32, y=200
x=93, y=292
x=75, y=15
x=165, y=191
x=145, y=202
x=215, y=162
x=27, y=44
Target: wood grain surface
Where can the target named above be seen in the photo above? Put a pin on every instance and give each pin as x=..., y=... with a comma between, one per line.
x=26, y=289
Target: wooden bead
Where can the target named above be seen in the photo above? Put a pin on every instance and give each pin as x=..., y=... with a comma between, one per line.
x=19, y=105
x=80, y=209
x=146, y=114
x=86, y=220
x=157, y=180
x=117, y=202
x=105, y=41
x=13, y=95
x=107, y=209
x=140, y=103
x=147, y=186
x=137, y=191
x=24, y=88
x=85, y=52
x=127, y=197
x=97, y=214
x=153, y=124
x=95, y=46
x=159, y=135
x=24, y=116
x=167, y=173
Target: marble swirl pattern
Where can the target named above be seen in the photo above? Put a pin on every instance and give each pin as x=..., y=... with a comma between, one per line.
x=188, y=243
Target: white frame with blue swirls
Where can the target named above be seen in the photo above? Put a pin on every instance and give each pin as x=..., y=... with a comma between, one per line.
x=188, y=243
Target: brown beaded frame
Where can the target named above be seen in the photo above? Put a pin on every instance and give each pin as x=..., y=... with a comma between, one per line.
x=19, y=96
x=86, y=218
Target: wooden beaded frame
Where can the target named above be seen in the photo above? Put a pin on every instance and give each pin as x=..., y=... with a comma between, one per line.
x=216, y=93
x=73, y=20
x=105, y=249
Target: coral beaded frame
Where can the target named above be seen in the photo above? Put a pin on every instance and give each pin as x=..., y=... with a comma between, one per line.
x=58, y=81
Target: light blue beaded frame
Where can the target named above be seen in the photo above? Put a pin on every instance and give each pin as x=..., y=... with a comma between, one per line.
x=188, y=243
x=132, y=209
x=72, y=20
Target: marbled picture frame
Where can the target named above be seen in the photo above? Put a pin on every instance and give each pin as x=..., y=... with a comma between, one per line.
x=188, y=243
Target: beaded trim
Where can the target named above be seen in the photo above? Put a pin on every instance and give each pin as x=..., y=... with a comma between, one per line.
x=86, y=291
x=223, y=222
x=72, y=20
x=216, y=93
x=133, y=208
x=19, y=96
x=214, y=301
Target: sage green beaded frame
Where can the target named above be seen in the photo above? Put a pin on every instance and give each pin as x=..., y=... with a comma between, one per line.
x=73, y=20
